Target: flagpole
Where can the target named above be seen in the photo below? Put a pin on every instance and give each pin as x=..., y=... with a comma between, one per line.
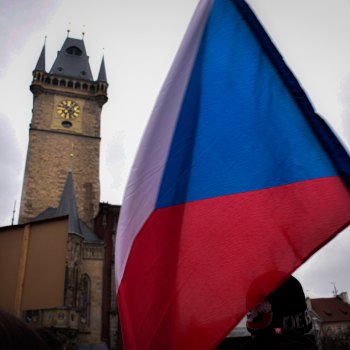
x=13, y=213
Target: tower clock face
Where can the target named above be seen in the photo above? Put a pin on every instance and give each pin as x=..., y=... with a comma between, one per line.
x=68, y=109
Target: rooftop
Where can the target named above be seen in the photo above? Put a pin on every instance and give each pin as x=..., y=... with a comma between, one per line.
x=331, y=309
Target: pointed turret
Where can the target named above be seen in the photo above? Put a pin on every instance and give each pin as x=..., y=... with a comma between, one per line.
x=68, y=205
x=102, y=76
x=41, y=61
x=72, y=60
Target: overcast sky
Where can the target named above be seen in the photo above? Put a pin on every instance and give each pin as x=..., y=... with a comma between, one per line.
x=139, y=40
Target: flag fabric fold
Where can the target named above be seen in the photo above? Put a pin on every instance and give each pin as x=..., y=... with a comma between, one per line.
x=236, y=178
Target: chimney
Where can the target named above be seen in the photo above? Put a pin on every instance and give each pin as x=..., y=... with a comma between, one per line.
x=344, y=297
x=308, y=303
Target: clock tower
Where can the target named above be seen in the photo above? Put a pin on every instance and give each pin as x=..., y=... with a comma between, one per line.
x=64, y=133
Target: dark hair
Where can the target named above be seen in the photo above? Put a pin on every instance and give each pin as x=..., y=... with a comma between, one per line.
x=52, y=340
x=17, y=335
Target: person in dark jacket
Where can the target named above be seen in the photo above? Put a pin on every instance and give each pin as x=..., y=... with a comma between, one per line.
x=281, y=321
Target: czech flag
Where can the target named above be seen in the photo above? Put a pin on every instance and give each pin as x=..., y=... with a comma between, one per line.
x=236, y=183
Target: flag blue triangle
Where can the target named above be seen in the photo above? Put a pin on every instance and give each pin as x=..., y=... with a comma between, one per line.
x=245, y=121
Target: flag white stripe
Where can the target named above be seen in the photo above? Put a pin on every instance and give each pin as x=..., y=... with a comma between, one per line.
x=144, y=180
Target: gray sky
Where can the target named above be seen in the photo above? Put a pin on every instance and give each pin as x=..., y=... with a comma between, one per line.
x=139, y=40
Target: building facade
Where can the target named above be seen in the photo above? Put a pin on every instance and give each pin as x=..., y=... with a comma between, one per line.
x=62, y=179
x=331, y=321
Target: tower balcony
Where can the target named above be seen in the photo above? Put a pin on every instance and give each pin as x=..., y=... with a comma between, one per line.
x=45, y=82
x=57, y=318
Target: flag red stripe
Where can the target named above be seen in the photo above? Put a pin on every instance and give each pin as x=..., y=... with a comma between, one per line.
x=266, y=230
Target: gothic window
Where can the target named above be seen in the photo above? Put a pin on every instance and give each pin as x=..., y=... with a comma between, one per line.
x=85, y=299
x=75, y=284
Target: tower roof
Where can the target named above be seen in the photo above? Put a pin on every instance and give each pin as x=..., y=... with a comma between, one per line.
x=72, y=60
x=41, y=61
x=102, y=76
x=68, y=206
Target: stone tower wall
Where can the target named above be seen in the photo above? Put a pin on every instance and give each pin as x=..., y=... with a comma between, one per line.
x=52, y=148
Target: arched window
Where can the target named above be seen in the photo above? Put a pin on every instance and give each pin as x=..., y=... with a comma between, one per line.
x=73, y=50
x=85, y=87
x=62, y=83
x=70, y=84
x=77, y=85
x=75, y=284
x=85, y=286
x=55, y=82
x=66, y=285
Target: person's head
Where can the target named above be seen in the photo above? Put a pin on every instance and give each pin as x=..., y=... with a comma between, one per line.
x=16, y=334
x=284, y=309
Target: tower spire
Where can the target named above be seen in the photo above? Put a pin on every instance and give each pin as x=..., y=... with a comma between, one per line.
x=68, y=29
x=68, y=205
x=102, y=76
x=83, y=32
x=41, y=61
